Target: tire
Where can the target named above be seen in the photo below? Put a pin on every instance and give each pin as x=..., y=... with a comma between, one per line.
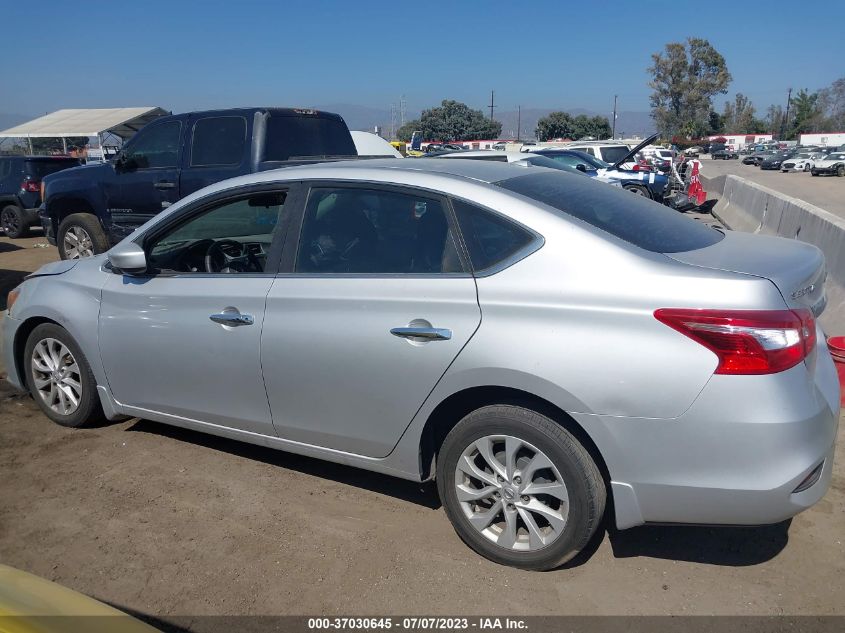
x=841, y=171
x=814, y=173
x=47, y=344
x=807, y=167
x=638, y=189
x=12, y=222
x=571, y=524
x=80, y=235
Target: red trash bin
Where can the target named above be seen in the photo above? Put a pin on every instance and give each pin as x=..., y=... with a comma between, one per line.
x=836, y=344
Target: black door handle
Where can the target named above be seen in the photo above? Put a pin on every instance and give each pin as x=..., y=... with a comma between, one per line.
x=164, y=184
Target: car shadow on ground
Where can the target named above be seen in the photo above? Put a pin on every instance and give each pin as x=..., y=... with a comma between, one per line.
x=424, y=494
x=723, y=546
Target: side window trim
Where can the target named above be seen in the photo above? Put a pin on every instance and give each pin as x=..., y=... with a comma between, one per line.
x=295, y=233
x=214, y=200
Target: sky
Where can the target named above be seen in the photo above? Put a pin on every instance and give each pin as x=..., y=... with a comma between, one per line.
x=184, y=55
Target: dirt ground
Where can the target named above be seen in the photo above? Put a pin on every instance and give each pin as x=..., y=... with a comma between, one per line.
x=170, y=522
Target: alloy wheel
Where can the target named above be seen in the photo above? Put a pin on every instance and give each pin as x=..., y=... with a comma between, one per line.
x=511, y=493
x=10, y=221
x=56, y=375
x=78, y=243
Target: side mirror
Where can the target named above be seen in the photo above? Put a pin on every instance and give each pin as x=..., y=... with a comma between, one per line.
x=581, y=167
x=128, y=258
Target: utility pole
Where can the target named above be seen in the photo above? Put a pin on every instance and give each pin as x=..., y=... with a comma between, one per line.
x=786, y=116
x=402, y=107
x=518, y=122
x=613, y=134
x=491, y=105
x=392, y=121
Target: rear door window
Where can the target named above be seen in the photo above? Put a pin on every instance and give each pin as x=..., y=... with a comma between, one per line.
x=640, y=222
x=490, y=238
x=218, y=141
x=297, y=136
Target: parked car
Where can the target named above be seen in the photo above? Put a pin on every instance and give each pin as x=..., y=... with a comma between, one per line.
x=693, y=152
x=832, y=164
x=725, y=153
x=20, y=189
x=87, y=209
x=533, y=159
x=644, y=183
x=757, y=157
x=775, y=161
x=802, y=161
x=330, y=321
x=608, y=151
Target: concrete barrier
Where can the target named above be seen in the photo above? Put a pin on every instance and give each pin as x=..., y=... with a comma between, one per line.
x=746, y=206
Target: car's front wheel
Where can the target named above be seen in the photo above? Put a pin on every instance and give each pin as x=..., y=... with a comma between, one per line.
x=519, y=488
x=59, y=377
x=638, y=189
x=80, y=235
x=12, y=222
x=841, y=171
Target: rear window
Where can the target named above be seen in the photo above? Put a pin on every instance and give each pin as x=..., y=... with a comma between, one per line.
x=37, y=169
x=614, y=154
x=641, y=222
x=291, y=136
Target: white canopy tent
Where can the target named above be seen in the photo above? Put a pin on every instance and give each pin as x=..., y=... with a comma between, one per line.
x=121, y=122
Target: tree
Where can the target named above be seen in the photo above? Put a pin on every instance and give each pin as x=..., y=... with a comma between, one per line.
x=555, y=125
x=597, y=127
x=831, y=102
x=451, y=121
x=774, y=119
x=806, y=114
x=739, y=116
x=714, y=123
x=686, y=77
x=405, y=132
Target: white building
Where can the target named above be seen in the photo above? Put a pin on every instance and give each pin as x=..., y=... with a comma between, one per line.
x=826, y=139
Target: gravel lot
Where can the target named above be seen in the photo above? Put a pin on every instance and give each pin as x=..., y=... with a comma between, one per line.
x=827, y=192
x=170, y=522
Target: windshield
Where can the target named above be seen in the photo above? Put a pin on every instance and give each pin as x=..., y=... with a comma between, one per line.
x=591, y=160
x=638, y=221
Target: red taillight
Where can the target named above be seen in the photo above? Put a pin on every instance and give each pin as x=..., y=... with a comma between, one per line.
x=747, y=341
x=32, y=186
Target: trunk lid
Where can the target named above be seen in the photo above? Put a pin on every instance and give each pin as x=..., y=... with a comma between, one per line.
x=796, y=268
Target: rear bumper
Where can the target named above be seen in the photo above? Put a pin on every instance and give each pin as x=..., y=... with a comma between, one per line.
x=735, y=457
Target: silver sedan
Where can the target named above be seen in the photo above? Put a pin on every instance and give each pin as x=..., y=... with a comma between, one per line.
x=535, y=342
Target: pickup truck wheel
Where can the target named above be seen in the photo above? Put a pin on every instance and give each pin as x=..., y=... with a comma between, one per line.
x=519, y=488
x=12, y=222
x=80, y=235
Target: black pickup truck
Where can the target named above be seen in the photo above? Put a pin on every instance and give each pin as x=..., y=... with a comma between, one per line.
x=88, y=209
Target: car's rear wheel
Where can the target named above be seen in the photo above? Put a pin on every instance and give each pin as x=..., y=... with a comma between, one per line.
x=519, y=488
x=60, y=378
x=841, y=171
x=12, y=222
x=80, y=235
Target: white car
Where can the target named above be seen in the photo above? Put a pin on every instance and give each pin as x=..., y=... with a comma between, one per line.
x=833, y=164
x=369, y=144
x=526, y=159
x=801, y=162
